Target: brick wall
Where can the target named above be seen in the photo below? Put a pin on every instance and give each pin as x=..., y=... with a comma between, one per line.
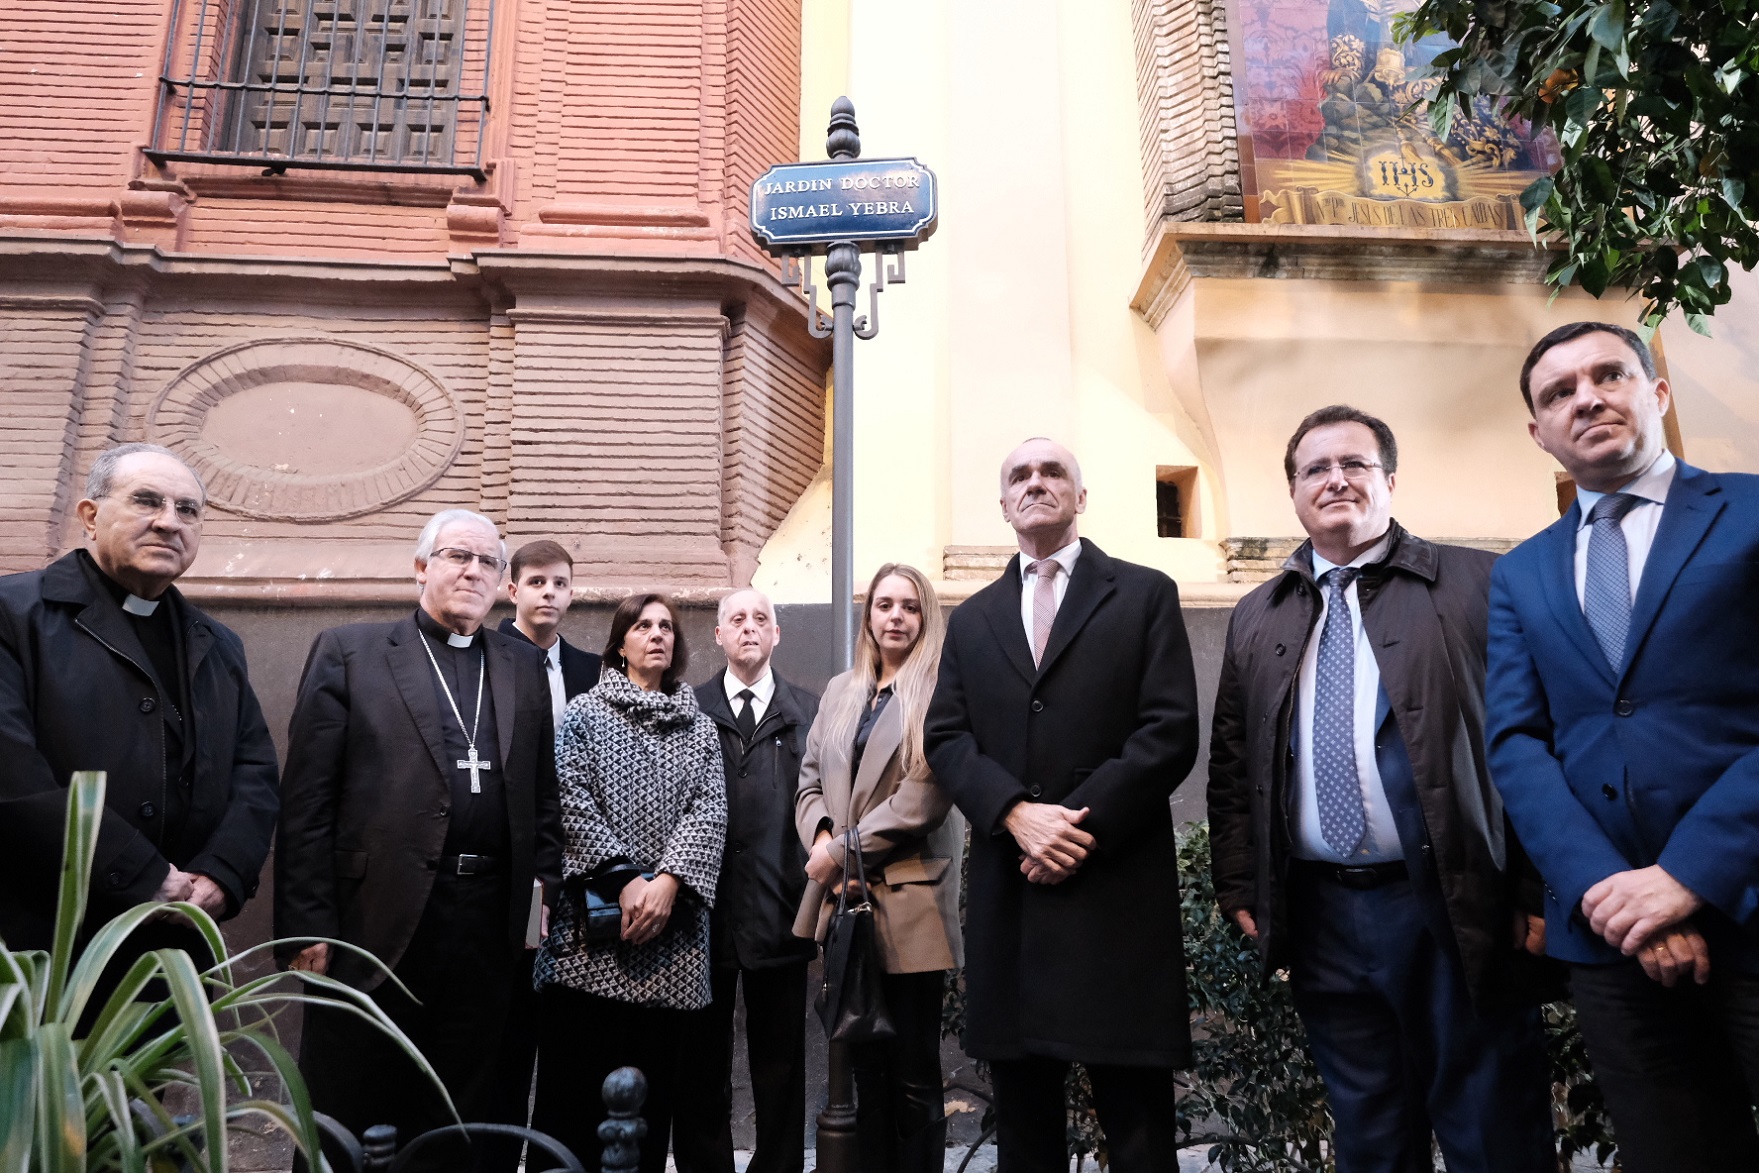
x=630, y=374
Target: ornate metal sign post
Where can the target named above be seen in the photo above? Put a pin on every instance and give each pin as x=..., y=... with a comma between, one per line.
x=835, y=210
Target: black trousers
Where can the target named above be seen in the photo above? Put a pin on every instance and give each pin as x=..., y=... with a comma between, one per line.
x=462, y=971
x=1679, y=1068
x=775, y=1039
x=515, y=1064
x=1402, y=1048
x=900, y=1105
x=583, y=1038
x=1135, y=1106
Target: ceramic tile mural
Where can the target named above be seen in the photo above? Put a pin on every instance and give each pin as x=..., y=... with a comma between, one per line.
x=1335, y=129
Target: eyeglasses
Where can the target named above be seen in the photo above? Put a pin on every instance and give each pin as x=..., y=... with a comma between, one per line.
x=463, y=558
x=1353, y=470
x=150, y=504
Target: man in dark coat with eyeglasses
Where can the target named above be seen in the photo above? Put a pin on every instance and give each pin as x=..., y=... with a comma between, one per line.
x=419, y=803
x=104, y=665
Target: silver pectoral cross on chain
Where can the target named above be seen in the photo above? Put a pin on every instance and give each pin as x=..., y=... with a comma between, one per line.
x=473, y=764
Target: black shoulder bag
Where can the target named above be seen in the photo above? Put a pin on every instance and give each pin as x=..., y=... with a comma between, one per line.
x=852, y=1001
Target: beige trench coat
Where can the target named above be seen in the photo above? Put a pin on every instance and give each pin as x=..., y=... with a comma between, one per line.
x=911, y=841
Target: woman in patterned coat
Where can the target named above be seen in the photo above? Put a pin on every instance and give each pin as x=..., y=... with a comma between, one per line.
x=644, y=804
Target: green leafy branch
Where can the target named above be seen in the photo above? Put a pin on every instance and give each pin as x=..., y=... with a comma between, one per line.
x=1656, y=113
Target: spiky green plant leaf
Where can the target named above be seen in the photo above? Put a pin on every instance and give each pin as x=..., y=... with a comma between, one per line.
x=95, y=1103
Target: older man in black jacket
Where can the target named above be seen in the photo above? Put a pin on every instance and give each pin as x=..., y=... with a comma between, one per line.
x=763, y=721
x=104, y=665
x=1065, y=714
x=420, y=804
x=1356, y=834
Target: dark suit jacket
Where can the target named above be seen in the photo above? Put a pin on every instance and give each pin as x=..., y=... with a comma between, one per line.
x=1424, y=610
x=580, y=670
x=1655, y=761
x=365, y=793
x=79, y=692
x=1092, y=969
x=763, y=868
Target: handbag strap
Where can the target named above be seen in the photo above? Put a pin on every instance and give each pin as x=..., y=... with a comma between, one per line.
x=852, y=847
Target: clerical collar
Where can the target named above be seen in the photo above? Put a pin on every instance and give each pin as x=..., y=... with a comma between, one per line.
x=438, y=631
x=135, y=605
x=131, y=603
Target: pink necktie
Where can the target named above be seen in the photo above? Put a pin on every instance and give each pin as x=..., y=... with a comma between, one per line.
x=1044, y=604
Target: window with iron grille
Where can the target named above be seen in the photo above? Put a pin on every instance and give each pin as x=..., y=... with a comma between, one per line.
x=386, y=85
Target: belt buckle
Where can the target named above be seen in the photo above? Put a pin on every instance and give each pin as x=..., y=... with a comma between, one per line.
x=467, y=864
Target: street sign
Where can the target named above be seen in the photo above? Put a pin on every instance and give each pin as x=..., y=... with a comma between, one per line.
x=804, y=207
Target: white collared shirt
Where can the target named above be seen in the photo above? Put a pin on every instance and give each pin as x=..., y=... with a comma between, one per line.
x=558, y=686
x=1639, y=525
x=1065, y=558
x=1380, y=841
x=762, y=693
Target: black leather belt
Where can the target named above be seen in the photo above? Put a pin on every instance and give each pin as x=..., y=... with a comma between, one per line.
x=473, y=865
x=1360, y=877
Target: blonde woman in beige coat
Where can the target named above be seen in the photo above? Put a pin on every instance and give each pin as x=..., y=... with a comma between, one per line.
x=864, y=767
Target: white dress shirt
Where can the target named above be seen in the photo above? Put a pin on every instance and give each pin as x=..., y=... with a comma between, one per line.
x=558, y=688
x=761, y=693
x=1065, y=558
x=1639, y=525
x=1380, y=840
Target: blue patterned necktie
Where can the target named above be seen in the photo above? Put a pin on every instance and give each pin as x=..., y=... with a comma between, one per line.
x=1342, y=820
x=1606, y=588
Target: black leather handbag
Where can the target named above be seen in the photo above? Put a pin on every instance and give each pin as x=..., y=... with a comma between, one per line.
x=852, y=1001
x=598, y=916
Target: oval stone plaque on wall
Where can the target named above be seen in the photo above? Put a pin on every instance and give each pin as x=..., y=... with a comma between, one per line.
x=308, y=429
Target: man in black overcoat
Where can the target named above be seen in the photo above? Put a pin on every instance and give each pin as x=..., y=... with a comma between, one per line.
x=1065, y=715
x=763, y=721
x=104, y=665
x=419, y=805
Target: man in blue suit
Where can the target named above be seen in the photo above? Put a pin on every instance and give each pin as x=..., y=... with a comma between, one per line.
x=1623, y=712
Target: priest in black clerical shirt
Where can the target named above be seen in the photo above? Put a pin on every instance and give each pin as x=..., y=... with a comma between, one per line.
x=418, y=806
x=104, y=665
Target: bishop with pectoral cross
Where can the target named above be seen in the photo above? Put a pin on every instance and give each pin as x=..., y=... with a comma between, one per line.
x=419, y=806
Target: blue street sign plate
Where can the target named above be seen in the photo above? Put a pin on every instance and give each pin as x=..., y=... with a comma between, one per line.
x=801, y=207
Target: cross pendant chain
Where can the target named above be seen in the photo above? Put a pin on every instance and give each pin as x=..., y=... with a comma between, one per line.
x=473, y=763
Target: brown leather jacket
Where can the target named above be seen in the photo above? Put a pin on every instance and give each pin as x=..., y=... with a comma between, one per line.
x=1425, y=608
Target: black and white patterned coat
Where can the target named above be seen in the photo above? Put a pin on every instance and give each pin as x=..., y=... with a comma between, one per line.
x=641, y=780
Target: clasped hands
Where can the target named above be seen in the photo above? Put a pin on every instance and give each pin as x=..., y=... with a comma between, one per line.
x=193, y=888
x=647, y=906
x=1052, y=844
x=1643, y=913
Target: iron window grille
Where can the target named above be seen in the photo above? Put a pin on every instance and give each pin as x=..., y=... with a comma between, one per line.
x=360, y=85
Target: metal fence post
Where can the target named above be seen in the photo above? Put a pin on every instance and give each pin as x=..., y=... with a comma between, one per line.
x=625, y=1091
x=379, y=1146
